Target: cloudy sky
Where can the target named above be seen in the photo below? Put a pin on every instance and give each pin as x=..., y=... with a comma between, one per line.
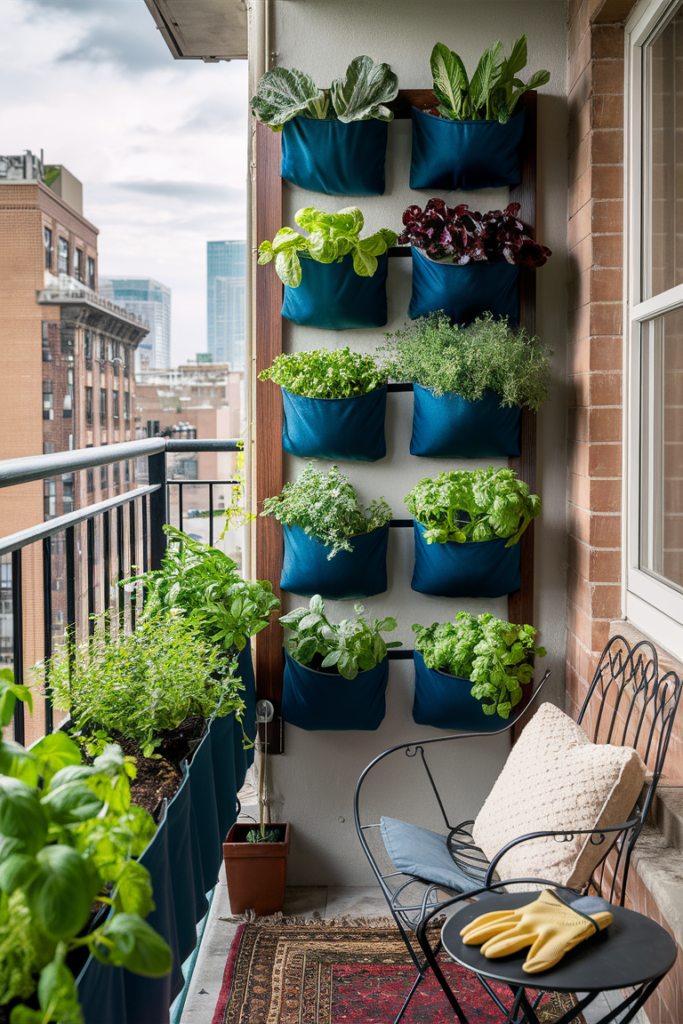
x=160, y=145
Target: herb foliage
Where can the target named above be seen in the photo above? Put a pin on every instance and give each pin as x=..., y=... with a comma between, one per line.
x=326, y=507
x=473, y=505
x=495, y=655
x=323, y=374
x=467, y=361
x=348, y=647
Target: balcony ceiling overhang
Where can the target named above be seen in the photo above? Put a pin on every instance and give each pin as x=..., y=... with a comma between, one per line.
x=208, y=30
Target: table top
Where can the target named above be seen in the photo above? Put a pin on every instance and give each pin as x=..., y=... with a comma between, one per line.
x=631, y=951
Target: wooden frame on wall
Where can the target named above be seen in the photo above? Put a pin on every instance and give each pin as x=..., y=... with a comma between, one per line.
x=268, y=402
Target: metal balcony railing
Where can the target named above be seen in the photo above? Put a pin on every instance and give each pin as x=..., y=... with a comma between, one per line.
x=88, y=552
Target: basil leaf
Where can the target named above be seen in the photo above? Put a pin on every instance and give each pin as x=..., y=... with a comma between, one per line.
x=73, y=802
x=16, y=871
x=21, y=816
x=18, y=762
x=53, y=753
x=134, y=890
x=363, y=91
x=136, y=946
x=62, y=892
x=57, y=993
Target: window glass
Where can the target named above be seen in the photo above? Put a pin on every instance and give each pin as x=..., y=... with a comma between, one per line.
x=87, y=349
x=48, y=406
x=88, y=405
x=78, y=264
x=115, y=404
x=63, y=256
x=103, y=406
x=50, y=498
x=104, y=477
x=47, y=239
x=91, y=272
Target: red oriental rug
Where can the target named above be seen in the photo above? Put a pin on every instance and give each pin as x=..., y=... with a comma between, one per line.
x=344, y=973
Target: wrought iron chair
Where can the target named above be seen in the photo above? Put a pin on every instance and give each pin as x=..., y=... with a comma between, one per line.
x=627, y=704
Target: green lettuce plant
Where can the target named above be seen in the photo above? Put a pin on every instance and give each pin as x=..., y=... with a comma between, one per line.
x=325, y=506
x=494, y=90
x=495, y=655
x=323, y=374
x=347, y=647
x=467, y=361
x=331, y=237
x=361, y=94
x=473, y=505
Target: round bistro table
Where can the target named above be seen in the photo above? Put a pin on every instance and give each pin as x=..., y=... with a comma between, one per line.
x=634, y=952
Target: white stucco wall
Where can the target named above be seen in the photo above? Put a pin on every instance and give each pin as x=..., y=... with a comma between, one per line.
x=312, y=784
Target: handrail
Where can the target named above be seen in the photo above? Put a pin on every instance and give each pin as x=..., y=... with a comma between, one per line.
x=41, y=467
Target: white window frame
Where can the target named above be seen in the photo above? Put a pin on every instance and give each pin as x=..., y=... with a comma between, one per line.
x=647, y=601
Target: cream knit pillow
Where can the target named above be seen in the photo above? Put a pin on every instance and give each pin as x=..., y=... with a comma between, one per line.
x=555, y=778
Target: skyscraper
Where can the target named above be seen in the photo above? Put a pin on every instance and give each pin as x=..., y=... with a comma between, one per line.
x=152, y=301
x=225, y=302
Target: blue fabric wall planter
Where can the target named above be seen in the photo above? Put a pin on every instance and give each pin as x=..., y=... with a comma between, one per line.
x=358, y=573
x=335, y=158
x=335, y=428
x=473, y=569
x=464, y=154
x=445, y=702
x=334, y=297
x=450, y=427
x=463, y=292
x=320, y=700
x=183, y=859
x=245, y=758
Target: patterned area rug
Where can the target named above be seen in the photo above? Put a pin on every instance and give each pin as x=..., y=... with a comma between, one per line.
x=344, y=973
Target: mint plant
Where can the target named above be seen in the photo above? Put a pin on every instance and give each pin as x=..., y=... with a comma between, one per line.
x=467, y=361
x=331, y=237
x=324, y=374
x=348, y=647
x=473, y=505
x=495, y=655
x=325, y=506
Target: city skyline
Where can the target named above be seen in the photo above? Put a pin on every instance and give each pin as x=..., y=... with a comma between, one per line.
x=151, y=300
x=225, y=289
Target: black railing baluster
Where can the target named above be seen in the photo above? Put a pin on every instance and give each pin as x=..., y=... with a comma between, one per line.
x=210, y=515
x=180, y=507
x=145, y=534
x=18, y=642
x=133, y=561
x=106, y=558
x=70, y=549
x=157, y=508
x=47, y=629
x=90, y=544
x=120, y=567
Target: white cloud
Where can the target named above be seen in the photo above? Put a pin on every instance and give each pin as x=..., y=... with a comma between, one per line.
x=160, y=145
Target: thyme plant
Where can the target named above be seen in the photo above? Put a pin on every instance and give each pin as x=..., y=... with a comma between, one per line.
x=323, y=374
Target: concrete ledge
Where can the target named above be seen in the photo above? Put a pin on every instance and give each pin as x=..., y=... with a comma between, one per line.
x=660, y=868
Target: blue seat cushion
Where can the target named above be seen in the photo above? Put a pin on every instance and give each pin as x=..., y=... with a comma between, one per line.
x=424, y=854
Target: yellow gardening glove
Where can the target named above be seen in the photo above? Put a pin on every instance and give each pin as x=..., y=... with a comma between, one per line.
x=549, y=925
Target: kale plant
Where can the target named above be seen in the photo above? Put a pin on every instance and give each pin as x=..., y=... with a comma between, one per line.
x=495, y=655
x=348, y=647
x=207, y=587
x=323, y=374
x=325, y=506
x=143, y=684
x=467, y=361
x=473, y=505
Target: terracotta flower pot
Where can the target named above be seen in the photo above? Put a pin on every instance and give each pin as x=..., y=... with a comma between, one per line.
x=256, y=872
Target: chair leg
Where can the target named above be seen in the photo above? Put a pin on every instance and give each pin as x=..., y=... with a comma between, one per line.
x=438, y=973
x=418, y=979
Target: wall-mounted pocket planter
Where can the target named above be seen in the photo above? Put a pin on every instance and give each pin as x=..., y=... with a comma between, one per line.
x=335, y=158
x=445, y=702
x=463, y=292
x=464, y=154
x=333, y=296
x=335, y=428
x=484, y=568
x=362, y=572
x=324, y=700
x=450, y=427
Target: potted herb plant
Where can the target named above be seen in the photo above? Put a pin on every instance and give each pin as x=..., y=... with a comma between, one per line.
x=469, y=673
x=467, y=263
x=335, y=673
x=334, y=404
x=335, y=140
x=469, y=384
x=331, y=546
x=467, y=529
x=333, y=278
x=471, y=139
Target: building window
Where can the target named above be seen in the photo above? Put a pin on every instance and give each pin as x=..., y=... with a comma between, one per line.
x=63, y=255
x=87, y=349
x=91, y=273
x=116, y=356
x=49, y=498
x=47, y=241
x=68, y=503
x=48, y=403
x=654, y=450
x=88, y=405
x=103, y=407
x=103, y=349
x=90, y=477
x=104, y=477
x=126, y=407
x=48, y=447
x=67, y=342
x=47, y=350
x=126, y=360
x=68, y=404
x=126, y=472
x=116, y=474
x=115, y=406
x=78, y=264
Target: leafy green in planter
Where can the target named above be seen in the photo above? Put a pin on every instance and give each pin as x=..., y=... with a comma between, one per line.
x=323, y=374
x=348, y=647
x=361, y=94
x=144, y=684
x=467, y=361
x=206, y=586
x=331, y=237
x=495, y=655
x=325, y=506
x=270, y=835
x=473, y=505
x=493, y=91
